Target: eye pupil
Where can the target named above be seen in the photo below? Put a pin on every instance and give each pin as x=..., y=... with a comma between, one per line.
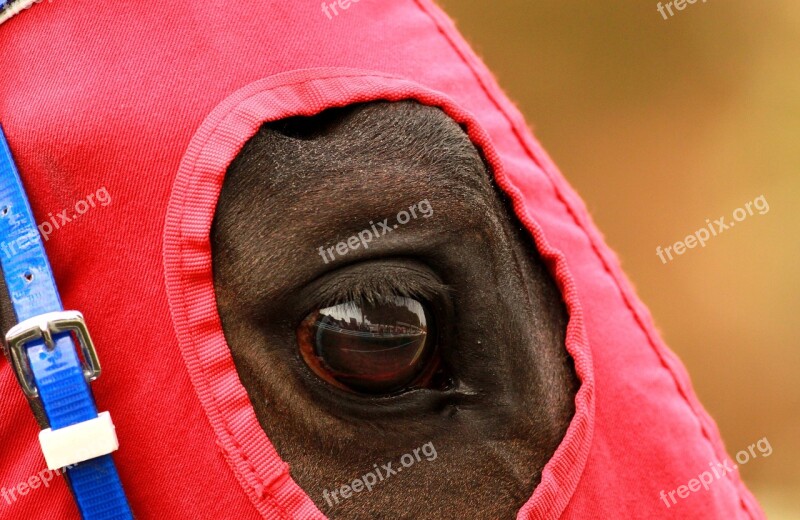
x=370, y=347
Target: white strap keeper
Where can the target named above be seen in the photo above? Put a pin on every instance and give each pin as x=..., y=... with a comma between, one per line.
x=79, y=442
x=16, y=8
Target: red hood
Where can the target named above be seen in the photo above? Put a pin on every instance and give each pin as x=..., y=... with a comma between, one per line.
x=151, y=101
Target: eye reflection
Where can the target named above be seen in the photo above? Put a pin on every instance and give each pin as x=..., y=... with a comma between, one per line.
x=373, y=348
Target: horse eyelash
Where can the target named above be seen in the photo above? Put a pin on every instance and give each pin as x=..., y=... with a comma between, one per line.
x=375, y=289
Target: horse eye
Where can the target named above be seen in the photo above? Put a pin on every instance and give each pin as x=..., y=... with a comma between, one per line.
x=375, y=348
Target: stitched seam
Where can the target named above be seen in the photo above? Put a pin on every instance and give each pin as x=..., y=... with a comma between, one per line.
x=269, y=496
x=516, y=130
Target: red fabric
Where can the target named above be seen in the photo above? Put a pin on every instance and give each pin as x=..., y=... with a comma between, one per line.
x=152, y=101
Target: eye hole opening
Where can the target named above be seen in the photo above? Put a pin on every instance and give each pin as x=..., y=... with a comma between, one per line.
x=376, y=348
x=309, y=128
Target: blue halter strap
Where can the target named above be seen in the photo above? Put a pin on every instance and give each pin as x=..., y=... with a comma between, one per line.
x=46, y=363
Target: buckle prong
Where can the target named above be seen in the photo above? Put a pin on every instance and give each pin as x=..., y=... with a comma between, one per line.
x=43, y=327
x=47, y=337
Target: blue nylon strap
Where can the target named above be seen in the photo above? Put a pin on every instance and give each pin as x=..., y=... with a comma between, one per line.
x=58, y=373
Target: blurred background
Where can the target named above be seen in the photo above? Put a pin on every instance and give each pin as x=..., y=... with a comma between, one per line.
x=660, y=124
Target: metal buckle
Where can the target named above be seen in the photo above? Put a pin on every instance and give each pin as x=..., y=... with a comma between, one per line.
x=43, y=327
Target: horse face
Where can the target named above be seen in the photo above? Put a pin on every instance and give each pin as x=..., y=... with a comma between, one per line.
x=383, y=305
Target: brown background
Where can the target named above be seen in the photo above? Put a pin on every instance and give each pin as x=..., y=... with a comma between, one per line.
x=660, y=124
